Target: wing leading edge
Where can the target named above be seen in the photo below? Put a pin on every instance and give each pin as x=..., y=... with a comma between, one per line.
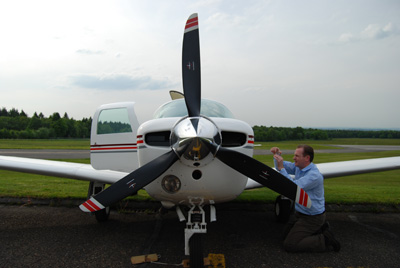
x=59, y=169
x=347, y=168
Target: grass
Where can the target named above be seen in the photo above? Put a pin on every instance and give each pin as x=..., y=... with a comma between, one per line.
x=18, y=184
x=84, y=144
x=326, y=144
x=62, y=144
x=376, y=188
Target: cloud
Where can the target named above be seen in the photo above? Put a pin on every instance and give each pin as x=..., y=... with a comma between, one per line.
x=371, y=32
x=120, y=82
x=346, y=38
x=374, y=31
x=89, y=52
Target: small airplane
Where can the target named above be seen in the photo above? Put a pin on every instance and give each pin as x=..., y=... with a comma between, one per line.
x=192, y=155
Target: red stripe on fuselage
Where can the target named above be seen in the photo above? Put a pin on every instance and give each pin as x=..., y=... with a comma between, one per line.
x=116, y=144
x=104, y=147
x=114, y=148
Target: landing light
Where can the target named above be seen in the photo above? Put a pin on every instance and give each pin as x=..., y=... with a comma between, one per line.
x=171, y=184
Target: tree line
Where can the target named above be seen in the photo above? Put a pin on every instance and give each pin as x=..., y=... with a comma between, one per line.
x=18, y=125
x=263, y=133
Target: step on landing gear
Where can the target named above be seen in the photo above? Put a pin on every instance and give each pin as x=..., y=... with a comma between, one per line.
x=95, y=188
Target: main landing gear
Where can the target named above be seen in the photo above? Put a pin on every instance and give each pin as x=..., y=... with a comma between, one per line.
x=95, y=188
x=196, y=228
x=283, y=208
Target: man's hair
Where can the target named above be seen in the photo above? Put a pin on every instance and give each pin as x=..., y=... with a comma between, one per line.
x=307, y=150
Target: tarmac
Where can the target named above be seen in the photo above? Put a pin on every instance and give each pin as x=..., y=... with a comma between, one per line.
x=247, y=235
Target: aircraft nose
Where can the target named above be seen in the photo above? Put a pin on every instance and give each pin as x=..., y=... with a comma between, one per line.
x=191, y=137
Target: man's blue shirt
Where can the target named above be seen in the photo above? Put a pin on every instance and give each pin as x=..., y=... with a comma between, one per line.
x=312, y=181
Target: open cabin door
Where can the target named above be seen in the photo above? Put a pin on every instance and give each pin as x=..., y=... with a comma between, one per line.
x=113, y=137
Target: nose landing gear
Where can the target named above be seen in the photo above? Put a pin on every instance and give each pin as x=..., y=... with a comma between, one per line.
x=196, y=228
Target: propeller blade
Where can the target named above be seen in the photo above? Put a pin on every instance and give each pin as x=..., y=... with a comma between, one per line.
x=264, y=175
x=131, y=183
x=191, y=66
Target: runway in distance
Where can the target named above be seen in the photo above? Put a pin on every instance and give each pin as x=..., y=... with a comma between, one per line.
x=192, y=155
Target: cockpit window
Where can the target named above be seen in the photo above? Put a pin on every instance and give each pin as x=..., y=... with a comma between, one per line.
x=113, y=121
x=177, y=108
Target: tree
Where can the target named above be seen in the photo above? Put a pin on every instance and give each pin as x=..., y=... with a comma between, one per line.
x=3, y=112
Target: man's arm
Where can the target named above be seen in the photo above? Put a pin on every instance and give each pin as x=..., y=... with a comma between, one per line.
x=280, y=163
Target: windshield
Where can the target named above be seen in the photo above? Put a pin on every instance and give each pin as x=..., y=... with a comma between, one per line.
x=177, y=108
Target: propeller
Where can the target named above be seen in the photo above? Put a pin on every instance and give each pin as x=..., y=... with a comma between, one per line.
x=188, y=137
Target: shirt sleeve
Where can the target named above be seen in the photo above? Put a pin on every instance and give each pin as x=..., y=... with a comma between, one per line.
x=284, y=173
x=288, y=169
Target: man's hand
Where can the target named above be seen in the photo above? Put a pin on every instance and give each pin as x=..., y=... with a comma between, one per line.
x=276, y=150
x=277, y=156
x=279, y=161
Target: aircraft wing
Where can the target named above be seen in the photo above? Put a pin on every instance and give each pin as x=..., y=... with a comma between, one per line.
x=59, y=169
x=346, y=168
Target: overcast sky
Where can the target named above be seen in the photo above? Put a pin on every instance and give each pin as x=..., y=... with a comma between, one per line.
x=273, y=63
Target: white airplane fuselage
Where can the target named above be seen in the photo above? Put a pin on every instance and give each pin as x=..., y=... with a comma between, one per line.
x=186, y=181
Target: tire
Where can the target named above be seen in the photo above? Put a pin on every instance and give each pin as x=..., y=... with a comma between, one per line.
x=196, y=251
x=101, y=215
x=283, y=208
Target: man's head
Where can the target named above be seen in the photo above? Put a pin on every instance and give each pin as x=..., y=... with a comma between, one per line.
x=303, y=156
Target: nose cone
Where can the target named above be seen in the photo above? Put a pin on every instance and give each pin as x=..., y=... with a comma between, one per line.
x=194, y=140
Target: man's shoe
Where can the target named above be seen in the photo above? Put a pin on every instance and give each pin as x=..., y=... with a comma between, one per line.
x=325, y=227
x=331, y=241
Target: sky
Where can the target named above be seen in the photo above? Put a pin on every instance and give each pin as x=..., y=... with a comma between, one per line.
x=320, y=64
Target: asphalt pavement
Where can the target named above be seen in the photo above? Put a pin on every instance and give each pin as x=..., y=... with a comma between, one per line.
x=247, y=235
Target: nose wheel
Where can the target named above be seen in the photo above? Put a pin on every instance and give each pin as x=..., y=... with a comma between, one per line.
x=196, y=251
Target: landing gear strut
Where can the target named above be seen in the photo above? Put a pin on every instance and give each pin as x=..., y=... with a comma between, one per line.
x=95, y=188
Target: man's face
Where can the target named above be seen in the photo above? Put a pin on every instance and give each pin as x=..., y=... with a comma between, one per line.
x=300, y=160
